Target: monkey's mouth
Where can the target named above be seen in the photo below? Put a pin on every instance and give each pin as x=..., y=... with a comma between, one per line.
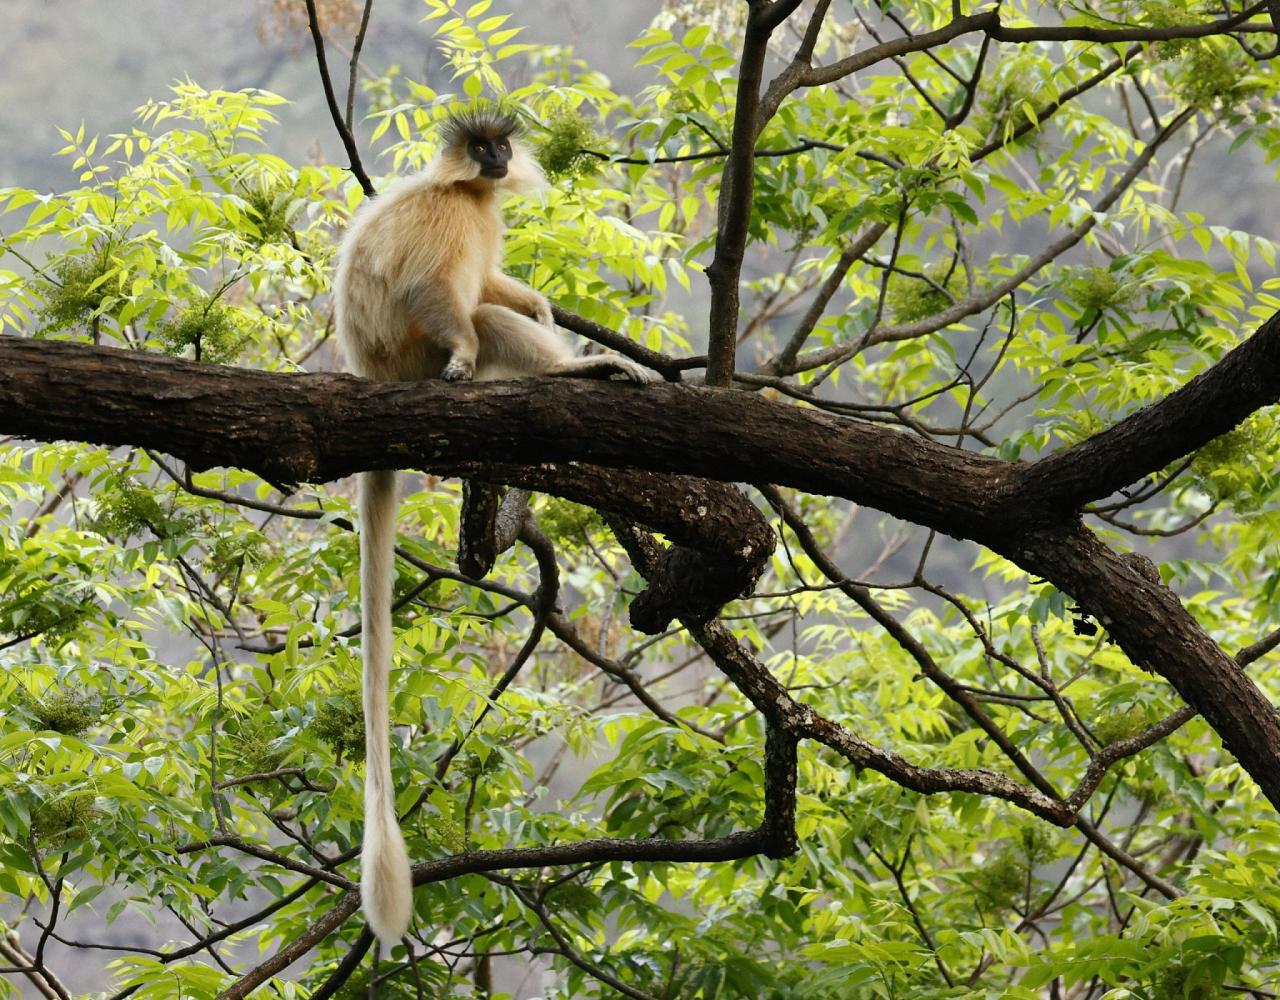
x=495, y=173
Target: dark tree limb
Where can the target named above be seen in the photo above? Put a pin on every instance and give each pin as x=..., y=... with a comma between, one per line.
x=319, y=427
x=722, y=542
x=295, y=428
x=1210, y=404
x=316, y=428
x=1149, y=623
x=346, y=968
x=344, y=907
x=737, y=187
x=489, y=524
x=670, y=368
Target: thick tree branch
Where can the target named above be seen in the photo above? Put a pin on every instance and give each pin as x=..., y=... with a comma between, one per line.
x=1210, y=404
x=294, y=428
x=318, y=427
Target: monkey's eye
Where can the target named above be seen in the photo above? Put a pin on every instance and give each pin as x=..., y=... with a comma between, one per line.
x=477, y=148
x=502, y=145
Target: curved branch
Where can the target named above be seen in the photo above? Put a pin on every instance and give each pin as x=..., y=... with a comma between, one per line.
x=346, y=905
x=1210, y=404
x=669, y=367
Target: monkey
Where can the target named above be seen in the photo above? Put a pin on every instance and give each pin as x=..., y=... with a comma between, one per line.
x=420, y=293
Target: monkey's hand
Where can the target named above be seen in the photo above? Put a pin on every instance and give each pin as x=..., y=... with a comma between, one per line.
x=458, y=370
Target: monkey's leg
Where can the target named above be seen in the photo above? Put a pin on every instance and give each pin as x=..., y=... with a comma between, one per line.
x=446, y=329
x=512, y=345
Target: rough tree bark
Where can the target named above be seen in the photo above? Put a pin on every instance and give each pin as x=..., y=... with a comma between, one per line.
x=539, y=432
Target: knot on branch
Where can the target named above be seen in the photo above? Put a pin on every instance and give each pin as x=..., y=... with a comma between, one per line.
x=695, y=584
x=720, y=541
x=718, y=555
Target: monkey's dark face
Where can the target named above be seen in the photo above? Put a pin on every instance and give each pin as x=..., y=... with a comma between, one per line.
x=492, y=152
x=487, y=136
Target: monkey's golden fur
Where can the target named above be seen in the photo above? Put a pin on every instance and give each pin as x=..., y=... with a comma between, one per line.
x=420, y=280
x=420, y=293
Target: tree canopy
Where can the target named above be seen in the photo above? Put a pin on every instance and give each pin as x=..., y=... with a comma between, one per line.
x=914, y=640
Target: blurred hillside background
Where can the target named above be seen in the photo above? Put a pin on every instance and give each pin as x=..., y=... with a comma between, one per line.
x=87, y=61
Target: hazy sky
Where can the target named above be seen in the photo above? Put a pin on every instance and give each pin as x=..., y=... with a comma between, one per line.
x=93, y=61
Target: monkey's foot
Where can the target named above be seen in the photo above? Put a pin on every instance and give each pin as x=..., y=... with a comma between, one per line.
x=458, y=370
x=624, y=369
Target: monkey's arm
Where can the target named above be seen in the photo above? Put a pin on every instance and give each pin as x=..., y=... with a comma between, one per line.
x=503, y=290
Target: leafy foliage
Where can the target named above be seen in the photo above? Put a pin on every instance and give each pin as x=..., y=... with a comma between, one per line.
x=180, y=674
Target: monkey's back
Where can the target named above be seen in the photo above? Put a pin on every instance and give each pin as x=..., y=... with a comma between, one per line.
x=413, y=262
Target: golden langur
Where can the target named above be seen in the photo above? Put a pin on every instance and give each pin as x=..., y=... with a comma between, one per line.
x=420, y=293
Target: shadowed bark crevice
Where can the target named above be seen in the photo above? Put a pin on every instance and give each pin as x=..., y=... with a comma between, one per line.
x=721, y=541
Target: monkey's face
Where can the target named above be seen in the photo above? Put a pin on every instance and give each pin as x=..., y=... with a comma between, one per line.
x=491, y=153
x=482, y=144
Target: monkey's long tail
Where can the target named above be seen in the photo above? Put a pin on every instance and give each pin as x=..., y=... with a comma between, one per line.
x=385, y=883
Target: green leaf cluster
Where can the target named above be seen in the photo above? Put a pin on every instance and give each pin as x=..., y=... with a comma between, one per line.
x=180, y=663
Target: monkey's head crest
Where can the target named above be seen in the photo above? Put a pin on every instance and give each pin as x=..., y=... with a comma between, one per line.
x=480, y=121
x=483, y=142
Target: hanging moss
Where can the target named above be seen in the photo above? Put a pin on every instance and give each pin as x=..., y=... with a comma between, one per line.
x=1098, y=288
x=123, y=509
x=908, y=299
x=255, y=748
x=51, y=609
x=1001, y=882
x=1215, y=75
x=65, y=818
x=270, y=209
x=1186, y=982
x=339, y=722
x=1111, y=726
x=70, y=711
